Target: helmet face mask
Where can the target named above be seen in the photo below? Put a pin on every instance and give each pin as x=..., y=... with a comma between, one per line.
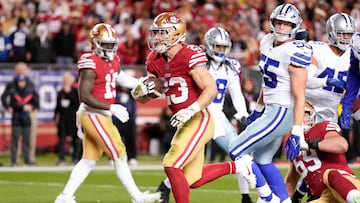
x=285, y=14
x=104, y=41
x=340, y=27
x=217, y=43
x=309, y=119
x=166, y=31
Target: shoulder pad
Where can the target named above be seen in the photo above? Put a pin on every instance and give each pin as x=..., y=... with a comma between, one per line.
x=300, y=54
x=233, y=64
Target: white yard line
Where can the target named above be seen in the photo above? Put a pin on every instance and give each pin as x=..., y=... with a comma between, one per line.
x=69, y=168
x=25, y=183
x=104, y=168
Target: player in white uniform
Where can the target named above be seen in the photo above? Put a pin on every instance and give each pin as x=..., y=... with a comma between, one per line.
x=330, y=67
x=225, y=72
x=283, y=64
x=328, y=72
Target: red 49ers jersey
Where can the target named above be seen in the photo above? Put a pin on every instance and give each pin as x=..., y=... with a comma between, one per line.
x=312, y=164
x=106, y=73
x=180, y=89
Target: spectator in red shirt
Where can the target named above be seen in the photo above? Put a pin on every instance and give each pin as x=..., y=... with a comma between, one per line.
x=129, y=49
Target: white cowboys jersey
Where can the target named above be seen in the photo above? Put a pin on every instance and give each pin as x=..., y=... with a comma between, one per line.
x=226, y=76
x=274, y=63
x=329, y=65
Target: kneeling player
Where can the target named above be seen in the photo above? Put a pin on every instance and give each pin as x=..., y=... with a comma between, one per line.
x=323, y=166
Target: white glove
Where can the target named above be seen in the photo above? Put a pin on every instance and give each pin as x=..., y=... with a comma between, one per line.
x=182, y=116
x=298, y=130
x=120, y=112
x=143, y=88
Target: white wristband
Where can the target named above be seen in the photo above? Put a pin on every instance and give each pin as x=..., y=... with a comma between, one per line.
x=297, y=130
x=259, y=107
x=195, y=107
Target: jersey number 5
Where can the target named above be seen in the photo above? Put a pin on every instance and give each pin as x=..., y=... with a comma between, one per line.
x=270, y=78
x=330, y=73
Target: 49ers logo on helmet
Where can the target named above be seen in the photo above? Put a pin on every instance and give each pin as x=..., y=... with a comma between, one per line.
x=96, y=31
x=173, y=20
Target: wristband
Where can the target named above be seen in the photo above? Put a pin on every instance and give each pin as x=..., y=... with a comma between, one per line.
x=313, y=143
x=195, y=107
x=297, y=130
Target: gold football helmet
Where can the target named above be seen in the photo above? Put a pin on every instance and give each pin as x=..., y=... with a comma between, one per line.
x=166, y=30
x=104, y=41
x=309, y=116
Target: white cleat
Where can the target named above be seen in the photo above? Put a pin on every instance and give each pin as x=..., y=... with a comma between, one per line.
x=275, y=199
x=147, y=197
x=62, y=198
x=243, y=167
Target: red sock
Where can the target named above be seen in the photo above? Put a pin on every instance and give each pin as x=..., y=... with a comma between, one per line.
x=179, y=185
x=340, y=184
x=213, y=171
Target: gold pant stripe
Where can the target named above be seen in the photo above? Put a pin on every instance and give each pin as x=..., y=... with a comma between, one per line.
x=104, y=135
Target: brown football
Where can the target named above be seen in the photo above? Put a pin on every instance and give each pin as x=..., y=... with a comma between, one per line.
x=159, y=87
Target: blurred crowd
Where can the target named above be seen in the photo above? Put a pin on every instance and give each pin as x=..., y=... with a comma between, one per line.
x=56, y=31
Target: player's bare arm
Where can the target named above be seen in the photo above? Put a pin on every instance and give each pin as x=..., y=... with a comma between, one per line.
x=291, y=179
x=333, y=143
x=260, y=100
x=205, y=81
x=86, y=84
x=298, y=77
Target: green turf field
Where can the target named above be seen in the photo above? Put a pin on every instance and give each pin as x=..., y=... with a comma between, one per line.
x=29, y=185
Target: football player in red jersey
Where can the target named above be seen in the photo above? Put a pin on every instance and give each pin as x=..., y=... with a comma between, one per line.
x=323, y=166
x=189, y=89
x=98, y=74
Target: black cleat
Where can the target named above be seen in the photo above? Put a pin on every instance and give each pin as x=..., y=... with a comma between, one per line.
x=165, y=193
x=246, y=199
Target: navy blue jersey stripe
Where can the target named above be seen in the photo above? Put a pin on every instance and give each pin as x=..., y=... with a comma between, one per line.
x=300, y=55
